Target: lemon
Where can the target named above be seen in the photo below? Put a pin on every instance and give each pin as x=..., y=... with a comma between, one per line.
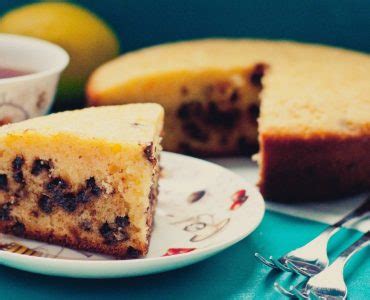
x=88, y=40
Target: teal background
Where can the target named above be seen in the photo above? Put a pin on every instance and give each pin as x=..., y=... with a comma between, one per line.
x=140, y=23
x=233, y=274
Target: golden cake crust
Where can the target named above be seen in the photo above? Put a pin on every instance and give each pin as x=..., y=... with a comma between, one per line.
x=301, y=78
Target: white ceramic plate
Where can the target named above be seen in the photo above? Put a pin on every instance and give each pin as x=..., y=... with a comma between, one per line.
x=202, y=209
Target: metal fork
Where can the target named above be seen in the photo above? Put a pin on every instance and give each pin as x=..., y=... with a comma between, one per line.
x=312, y=258
x=329, y=284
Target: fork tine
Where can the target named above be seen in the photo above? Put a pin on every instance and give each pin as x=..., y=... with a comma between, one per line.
x=268, y=262
x=280, y=265
x=299, y=290
x=283, y=290
x=296, y=270
x=316, y=297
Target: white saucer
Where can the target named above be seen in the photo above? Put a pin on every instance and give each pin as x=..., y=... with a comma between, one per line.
x=202, y=209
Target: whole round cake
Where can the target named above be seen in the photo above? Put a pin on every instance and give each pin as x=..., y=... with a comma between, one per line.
x=307, y=106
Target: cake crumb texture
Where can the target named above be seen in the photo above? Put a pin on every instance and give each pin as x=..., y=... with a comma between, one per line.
x=82, y=179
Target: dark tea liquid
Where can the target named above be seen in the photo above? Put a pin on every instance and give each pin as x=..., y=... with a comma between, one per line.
x=8, y=72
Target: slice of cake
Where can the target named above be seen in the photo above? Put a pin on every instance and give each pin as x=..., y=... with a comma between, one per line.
x=314, y=125
x=85, y=179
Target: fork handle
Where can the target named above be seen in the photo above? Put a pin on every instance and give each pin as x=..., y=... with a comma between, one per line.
x=361, y=243
x=359, y=212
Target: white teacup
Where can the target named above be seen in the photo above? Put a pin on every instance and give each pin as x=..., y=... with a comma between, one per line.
x=31, y=95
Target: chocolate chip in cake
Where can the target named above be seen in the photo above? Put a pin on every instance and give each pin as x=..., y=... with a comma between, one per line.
x=18, y=229
x=132, y=252
x=83, y=196
x=17, y=164
x=230, y=118
x=257, y=74
x=39, y=165
x=5, y=212
x=92, y=186
x=67, y=201
x=18, y=177
x=193, y=130
x=245, y=147
x=91, y=190
x=189, y=110
x=213, y=108
x=149, y=153
x=225, y=119
x=254, y=111
x=56, y=184
x=234, y=97
x=46, y=204
x=122, y=221
x=3, y=182
x=114, y=232
x=105, y=229
x=183, y=112
x=86, y=225
x=108, y=233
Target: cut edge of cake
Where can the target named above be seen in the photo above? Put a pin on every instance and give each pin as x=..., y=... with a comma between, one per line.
x=331, y=75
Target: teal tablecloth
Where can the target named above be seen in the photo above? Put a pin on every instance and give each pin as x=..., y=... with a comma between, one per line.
x=232, y=274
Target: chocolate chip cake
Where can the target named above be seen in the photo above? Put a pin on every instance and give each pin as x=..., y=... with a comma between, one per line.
x=85, y=179
x=307, y=105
